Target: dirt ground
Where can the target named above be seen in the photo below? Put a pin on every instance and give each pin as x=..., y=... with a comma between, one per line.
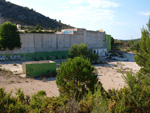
x=110, y=74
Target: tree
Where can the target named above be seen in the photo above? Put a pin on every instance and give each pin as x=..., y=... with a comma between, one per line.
x=82, y=51
x=76, y=77
x=37, y=27
x=112, y=41
x=142, y=58
x=57, y=29
x=50, y=28
x=59, y=21
x=135, y=46
x=9, y=36
x=134, y=98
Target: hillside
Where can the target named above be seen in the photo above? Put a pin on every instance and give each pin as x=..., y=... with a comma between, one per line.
x=24, y=15
x=130, y=40
x=127, y=45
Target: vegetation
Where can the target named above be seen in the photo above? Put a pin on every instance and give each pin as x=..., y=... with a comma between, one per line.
x=126, y=45
x=131, y=99
x=37, y=27
x=4, y=72
x=143, y=56
x=75, y=78
x=38, y=103
x=135, y=46
x=112, y=41
x=9, y=37
x=82, y=51
x=14, y=64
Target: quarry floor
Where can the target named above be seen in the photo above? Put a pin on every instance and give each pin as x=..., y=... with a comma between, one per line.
x=110, y=74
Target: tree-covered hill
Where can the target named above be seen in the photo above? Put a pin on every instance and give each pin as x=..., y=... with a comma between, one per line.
x=23, y=15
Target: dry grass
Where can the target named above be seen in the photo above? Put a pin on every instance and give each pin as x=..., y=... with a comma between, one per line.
x=14, y=64
x=4, y=72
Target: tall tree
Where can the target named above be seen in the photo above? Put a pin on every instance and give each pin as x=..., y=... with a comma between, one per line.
x=142, y=58
x=75, y=77
x=9, y=36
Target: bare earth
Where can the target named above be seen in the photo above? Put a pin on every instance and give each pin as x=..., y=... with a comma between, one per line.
x=110, y=74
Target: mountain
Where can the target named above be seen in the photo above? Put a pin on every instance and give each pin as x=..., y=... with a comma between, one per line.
x=130, y=40
x=25, y=16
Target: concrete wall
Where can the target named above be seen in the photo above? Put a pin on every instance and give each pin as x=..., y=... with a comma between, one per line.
x=95, y=40
x=53, y=55
x=45, y=42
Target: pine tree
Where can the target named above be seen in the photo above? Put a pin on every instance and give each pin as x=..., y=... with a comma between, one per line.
x=142, y=58
x=9, y=36
x=75, y=77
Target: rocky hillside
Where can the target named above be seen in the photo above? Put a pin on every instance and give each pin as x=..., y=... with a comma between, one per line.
x=24, y=15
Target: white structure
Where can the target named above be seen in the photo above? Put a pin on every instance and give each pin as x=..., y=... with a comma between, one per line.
x=19, y=27
x=100, y=52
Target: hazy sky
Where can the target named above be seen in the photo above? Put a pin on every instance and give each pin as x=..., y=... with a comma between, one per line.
x=123, y=19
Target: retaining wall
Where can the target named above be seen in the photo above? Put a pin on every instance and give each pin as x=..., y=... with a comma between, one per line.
x=33, y=43
x=35, y=56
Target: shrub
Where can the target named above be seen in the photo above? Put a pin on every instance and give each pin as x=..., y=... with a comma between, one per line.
x=36, y=58
x=100, y=100
x=26, y=104
x=134, y=98
x=52, y=58
x=75, y=77
x=20, y=95
x=82, y=51
x=9, y=36
x=135, y=46
x=36, y=101
x=64, y=57
x=57, y=57
x=8, y=104
x=14, y=64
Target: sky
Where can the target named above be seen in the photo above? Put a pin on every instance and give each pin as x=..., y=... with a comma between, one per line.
x=122, y=19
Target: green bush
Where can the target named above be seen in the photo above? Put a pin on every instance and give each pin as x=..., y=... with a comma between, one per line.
x=100, y=100
x=82, y=51
x=135, y=46
x=64, y=57
x=9, y=36
x=75, y=77
x=52, y=58
x=57, y=57
x=36, y=58
x=134, y=98
x=47, y=58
